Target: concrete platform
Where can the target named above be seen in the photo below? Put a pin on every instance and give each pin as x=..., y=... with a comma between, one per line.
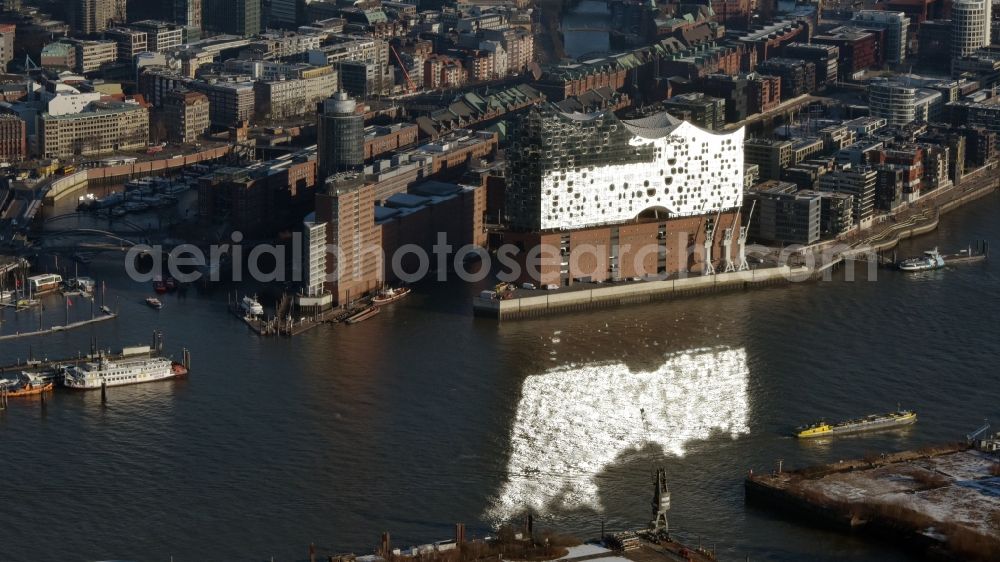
x=542, y=303
x=940, y=500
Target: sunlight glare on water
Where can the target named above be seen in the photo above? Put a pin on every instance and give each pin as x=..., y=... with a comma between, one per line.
x=575, y=422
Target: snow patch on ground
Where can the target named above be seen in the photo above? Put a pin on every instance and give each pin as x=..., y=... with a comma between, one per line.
x=969, y=496
x=584, y=550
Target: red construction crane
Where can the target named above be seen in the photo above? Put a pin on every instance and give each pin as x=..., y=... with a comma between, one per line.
x=403, y=66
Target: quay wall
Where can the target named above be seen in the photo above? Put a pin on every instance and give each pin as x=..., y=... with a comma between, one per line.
x=66, y=184
x=153, y=167
x=798, y=494
x=632, y=293
x=112, y=174
x=761, y=493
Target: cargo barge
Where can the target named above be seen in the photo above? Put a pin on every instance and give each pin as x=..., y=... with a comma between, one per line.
x=873, y=422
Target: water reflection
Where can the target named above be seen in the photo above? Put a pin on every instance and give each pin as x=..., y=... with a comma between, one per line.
x=574, y=422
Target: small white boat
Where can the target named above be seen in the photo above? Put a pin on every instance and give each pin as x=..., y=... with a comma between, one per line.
x=154, y=302
x=251, y=306
x=86, y=201
x=175, y=189
x=932, y=259
x=84, y=284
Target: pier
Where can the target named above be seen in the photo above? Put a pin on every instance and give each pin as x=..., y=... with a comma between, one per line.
x=939, y=500
x=33, y=364
x=290, y=321
x=976, y=254
x=53, y=329
x=290, y=326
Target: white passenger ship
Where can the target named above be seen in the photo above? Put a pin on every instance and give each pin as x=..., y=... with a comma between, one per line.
x=136, y=365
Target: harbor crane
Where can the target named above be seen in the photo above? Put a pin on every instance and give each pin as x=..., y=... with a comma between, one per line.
x=741, y=258
x=708, y=268
x=972, y=437
x=661, y=503
x=661, y=493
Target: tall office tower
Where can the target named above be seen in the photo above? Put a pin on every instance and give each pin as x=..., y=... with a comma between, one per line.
x=970, y=26
x=7, y=33
x=340, y=135
x=94, y=16
x=314, y=257
x=188, y=14
x=149, y=10
x=235, y=17
x=988, y=32
x=896, y=26
x=353, y=262
x=284, y=13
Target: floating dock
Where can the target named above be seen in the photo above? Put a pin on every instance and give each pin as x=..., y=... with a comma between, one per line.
x=972, y=254
x=937, y=500
x=291, y=326
x=363, y=315
x=63, y=328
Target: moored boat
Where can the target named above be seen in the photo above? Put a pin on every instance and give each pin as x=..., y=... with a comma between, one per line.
x=25, y=385
x=363, y=315
x=159, y=286
x=390, y=296
x=932, y=259
x=86, y=201
x=868, y=423
x=135, y=207
x=45, y=283
x=251, y=306
x=136, y=365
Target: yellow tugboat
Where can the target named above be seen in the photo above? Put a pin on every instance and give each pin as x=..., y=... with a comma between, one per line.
x=868, y=423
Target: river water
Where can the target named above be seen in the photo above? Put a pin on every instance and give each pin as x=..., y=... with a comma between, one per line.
x=425, y=415
x=584, y=29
